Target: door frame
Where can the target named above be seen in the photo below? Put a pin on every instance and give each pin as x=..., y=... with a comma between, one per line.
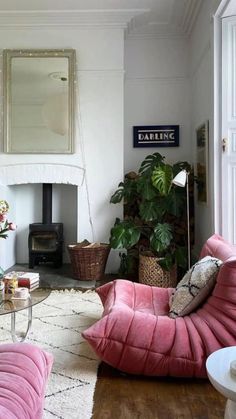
x=217, y=111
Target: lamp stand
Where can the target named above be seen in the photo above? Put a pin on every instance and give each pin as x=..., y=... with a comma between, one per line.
x=181, y=179
x=188, y=223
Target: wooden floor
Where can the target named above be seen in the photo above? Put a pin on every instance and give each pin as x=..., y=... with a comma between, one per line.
x=123, y=396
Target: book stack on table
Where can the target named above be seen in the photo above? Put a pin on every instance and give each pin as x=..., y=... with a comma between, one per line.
x=25, y=279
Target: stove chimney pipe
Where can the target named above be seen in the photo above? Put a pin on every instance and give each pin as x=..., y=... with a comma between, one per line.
x=47, y=203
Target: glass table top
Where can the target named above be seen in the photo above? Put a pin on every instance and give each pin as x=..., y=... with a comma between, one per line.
x=10, y=305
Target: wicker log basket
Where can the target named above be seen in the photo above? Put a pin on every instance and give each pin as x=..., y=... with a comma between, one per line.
x=88, y=260
x=151, y=273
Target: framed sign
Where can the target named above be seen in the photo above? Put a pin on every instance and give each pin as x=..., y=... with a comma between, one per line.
x=156, y=136
x=202, y=134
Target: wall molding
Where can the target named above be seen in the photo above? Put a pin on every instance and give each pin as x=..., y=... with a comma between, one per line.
x=156, y=79
x=190, y=15
x=92, y=19
x=138, y=36
x=101, y=73
x=16, y=174
x=171, y=28
x=222, y=8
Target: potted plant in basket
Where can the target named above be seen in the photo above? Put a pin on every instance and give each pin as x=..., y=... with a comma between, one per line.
x=154, y=219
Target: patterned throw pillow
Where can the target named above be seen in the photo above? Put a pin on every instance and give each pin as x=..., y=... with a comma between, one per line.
x=195, y=286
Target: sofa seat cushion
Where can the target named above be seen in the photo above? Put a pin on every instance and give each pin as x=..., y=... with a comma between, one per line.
x=24, y=370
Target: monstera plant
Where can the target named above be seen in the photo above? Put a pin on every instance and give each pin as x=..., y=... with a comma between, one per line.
x=154, y=214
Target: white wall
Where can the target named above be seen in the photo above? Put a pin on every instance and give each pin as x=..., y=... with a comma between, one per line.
x=202, y=72
x=8, y=246
x=156, y=93
x=100, y=87
x=170, y=81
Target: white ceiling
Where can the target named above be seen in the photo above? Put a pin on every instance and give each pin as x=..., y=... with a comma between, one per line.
x=144, y=17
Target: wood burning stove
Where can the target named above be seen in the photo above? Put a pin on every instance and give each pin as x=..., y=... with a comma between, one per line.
x=45, y=240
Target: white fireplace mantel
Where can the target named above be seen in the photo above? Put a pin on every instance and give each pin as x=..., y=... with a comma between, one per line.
x=16, y=174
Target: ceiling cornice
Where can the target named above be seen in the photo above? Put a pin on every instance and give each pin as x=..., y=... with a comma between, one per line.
x=169, y=29
x=64, y=18
x=163, y=35
x=103, y=18
x=190, y=15
x=222, y=8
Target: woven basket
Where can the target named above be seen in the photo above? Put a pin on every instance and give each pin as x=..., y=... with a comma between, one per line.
x=151, y=273
x=88, y=263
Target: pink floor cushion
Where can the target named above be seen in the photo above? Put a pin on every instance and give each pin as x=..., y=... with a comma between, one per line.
x=136, y=334
x=24, y=370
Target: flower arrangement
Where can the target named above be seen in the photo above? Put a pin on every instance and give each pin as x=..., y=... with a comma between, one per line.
x=5, y=225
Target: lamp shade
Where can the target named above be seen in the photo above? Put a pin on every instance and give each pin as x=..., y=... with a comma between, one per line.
x=180, y=179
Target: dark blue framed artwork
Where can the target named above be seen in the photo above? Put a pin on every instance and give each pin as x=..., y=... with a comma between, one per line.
x=156, y=136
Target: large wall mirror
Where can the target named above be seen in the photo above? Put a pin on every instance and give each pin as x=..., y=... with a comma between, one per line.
x=39, y=101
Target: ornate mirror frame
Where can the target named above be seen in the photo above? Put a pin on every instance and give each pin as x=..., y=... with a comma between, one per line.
x=39, y=101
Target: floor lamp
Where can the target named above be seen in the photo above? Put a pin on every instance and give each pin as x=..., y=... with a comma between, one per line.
x=181, y=179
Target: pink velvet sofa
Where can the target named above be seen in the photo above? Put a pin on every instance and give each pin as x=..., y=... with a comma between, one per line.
x=24, y=370
x=136, y=334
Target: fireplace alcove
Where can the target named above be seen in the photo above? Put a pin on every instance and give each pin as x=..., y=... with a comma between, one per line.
x=22, y=187
x=64, y=213
x=45, y=240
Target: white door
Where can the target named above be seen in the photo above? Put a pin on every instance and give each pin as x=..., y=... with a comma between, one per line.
x=228, y=174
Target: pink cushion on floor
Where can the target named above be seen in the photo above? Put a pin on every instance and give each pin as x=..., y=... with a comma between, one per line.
x=24, y=370
x=137, y=336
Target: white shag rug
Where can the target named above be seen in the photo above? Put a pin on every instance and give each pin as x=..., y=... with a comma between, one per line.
x=57, y=325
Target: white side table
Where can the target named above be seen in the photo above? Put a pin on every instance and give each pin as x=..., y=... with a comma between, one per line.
x=222, y=378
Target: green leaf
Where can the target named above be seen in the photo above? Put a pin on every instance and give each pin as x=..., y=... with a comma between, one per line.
x=124, y=235
x=118, y=194
x=145, y=188
x=118, y=237
x=150, y=210
x=134, y=235
x=181, y=256
x=167, y=262
x=162, y=178
x=181, y=165
x=150, y=162
x=175, y=201
x=130, y=189
x=126, y=190
x=161, y=237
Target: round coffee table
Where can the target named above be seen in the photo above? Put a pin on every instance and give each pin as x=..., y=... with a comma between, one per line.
x=222, y=378
x=9, y=305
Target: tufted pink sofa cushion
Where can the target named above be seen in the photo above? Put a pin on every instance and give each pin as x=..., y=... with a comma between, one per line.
x=137, y=336
x=24, y=370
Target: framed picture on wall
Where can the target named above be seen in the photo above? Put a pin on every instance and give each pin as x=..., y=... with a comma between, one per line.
x=156, y=136
x=202, y=169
